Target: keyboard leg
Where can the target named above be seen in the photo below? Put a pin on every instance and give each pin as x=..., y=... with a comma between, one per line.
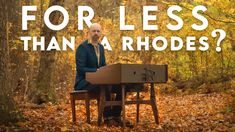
x=123, y=107
x=73, y=108
x=153, y=104
x=137, y=106
x=101, y=105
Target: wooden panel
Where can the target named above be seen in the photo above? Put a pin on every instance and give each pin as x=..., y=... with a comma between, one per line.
x=105, y=75
x=143, y=73
x=129, y=73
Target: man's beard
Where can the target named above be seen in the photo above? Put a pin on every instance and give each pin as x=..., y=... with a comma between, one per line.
x=95, y=38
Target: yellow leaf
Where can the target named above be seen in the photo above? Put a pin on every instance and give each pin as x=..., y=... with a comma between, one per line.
x=63, y=129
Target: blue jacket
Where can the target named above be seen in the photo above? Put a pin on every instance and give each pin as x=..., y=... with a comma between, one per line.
x=86, y=61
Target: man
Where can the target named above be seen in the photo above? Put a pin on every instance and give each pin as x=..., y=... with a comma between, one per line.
x=89, y=58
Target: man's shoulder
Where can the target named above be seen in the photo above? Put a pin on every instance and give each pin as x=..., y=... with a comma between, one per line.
x=83, y=44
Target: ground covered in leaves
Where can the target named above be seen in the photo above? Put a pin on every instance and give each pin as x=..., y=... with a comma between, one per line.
x=190, y=112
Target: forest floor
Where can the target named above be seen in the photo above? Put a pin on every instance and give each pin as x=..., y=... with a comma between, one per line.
x=181, y=112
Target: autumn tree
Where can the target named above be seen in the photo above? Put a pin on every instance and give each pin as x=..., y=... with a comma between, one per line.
x=44, y=84
x=8, y=110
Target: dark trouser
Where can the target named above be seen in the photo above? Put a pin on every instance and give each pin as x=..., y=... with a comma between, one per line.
x=114, y=111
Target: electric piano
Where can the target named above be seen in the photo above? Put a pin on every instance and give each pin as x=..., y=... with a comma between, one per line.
x=128, y=74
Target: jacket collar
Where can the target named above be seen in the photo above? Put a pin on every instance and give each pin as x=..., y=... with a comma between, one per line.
x=89, y=42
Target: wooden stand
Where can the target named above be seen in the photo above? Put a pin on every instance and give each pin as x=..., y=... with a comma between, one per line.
x=123, y=102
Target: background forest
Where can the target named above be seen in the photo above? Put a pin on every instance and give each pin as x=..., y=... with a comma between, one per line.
x=35, y=85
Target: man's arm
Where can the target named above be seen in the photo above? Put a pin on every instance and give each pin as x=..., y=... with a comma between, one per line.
x=81, y=58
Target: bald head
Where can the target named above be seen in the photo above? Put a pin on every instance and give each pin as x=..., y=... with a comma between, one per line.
x=95, y=26
x=95, y=32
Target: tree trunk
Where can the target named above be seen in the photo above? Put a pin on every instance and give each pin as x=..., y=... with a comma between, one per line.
x=44, y=84
x=8, y=110
x=231, y=34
